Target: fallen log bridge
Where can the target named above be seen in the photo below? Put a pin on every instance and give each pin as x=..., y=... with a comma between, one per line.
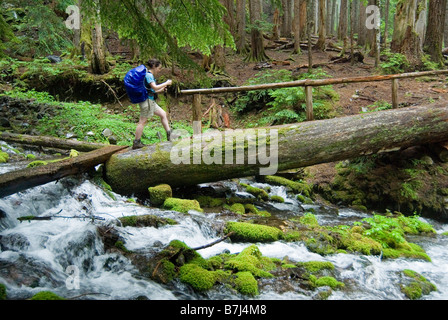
x=242, y=153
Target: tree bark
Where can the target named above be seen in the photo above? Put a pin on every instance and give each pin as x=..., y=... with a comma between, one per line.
x=19, y=180
x=434, y=33
x=51, y=142
x=298, y=145
x=257, y=52
x=98, y=64
x=241, y=26
x=320, y=45
x=405, y=39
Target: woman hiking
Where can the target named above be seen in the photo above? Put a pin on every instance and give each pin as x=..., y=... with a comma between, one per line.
x=149, y=107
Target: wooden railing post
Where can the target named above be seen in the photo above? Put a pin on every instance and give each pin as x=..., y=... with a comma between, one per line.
x=309, y=103
x=394, y=93
x=197, y=114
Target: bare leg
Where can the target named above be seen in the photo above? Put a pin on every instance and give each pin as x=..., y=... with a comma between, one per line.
x=140, y=126
x=163, y=117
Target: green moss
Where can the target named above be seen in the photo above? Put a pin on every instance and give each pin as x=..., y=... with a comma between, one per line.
x=246, y=284
x=199, y=278
x=210, y=202
x=295, y=186
x=4, y=157
x=37, y=163
x=416, y=286
x=238, y=208
x=120, y=245
x=46, y=295
x=316, y=266
x=159, y=193
x=256, y=192
x=251, y=259
x=309, y=219
x=326, y=281
x=145, y=221
x=181, y=205
x=2, y=292
x=250, y=208
x=277, y=199
x=243, y=231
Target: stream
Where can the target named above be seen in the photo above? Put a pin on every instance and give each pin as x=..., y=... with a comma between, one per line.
x=65, y=254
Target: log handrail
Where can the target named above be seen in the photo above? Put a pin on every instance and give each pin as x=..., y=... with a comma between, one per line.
x=308, y=84
x=313, y=82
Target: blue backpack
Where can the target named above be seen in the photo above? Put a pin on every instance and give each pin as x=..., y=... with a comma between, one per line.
x=134, y=82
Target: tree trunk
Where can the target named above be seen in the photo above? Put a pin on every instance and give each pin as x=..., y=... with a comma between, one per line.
x=343, y=19
x=405, y=39
x=257, y=52
x=19, y=180
x=204, y=159
x=99, y=64
x=320, y=45
x=303, y=19
x=241, y=26
x=296, y=26
x=362, y=35
x=434, y=33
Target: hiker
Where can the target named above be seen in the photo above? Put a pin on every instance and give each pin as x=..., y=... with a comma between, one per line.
x=146, y=98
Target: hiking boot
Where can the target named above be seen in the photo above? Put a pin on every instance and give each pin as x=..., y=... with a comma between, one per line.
x=168, y=135
x=138, y=144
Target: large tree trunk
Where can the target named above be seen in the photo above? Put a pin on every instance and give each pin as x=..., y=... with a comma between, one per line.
x=241, y=26
x=99, y=64
x=320, y=45
x=297, y=145
x=405, y=38
x=257, y=52
x=434, y=33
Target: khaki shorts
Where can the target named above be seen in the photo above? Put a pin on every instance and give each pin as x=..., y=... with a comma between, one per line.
x=148, y=107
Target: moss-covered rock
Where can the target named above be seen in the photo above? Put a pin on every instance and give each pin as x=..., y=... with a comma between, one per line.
x=210, y=202
x=316, y=266
x=46, y=295
x=159, y=193
x=2, y=291
x=145, y=221
x=4, y=157
x=326, y=281
x=238, y=208
x=258, y=193
x=243, y=231
x=181, y=205
x=278, y=199
x=415, y=285
x=251, y=259
x=199, y=278
x=295, y=186
x=246, y=284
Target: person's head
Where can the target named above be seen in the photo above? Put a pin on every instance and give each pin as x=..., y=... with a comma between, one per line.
x=154, y=65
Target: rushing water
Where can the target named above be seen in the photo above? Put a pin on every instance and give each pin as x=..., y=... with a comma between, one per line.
x=65, y=254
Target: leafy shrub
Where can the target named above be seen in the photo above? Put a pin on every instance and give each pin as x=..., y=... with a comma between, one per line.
x=395, y=62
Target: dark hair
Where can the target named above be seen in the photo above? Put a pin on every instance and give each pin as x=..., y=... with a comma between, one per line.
x=153, y=63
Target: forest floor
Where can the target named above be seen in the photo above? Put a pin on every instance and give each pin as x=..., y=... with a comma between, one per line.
x=352, y=97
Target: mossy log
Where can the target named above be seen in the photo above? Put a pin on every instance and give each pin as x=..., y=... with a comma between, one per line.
x=19, y=180
x=51, y=142
x=299, y=145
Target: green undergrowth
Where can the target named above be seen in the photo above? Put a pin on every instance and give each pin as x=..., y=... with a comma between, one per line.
x=87, y=121
x=285, y=105
x=376, y=235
